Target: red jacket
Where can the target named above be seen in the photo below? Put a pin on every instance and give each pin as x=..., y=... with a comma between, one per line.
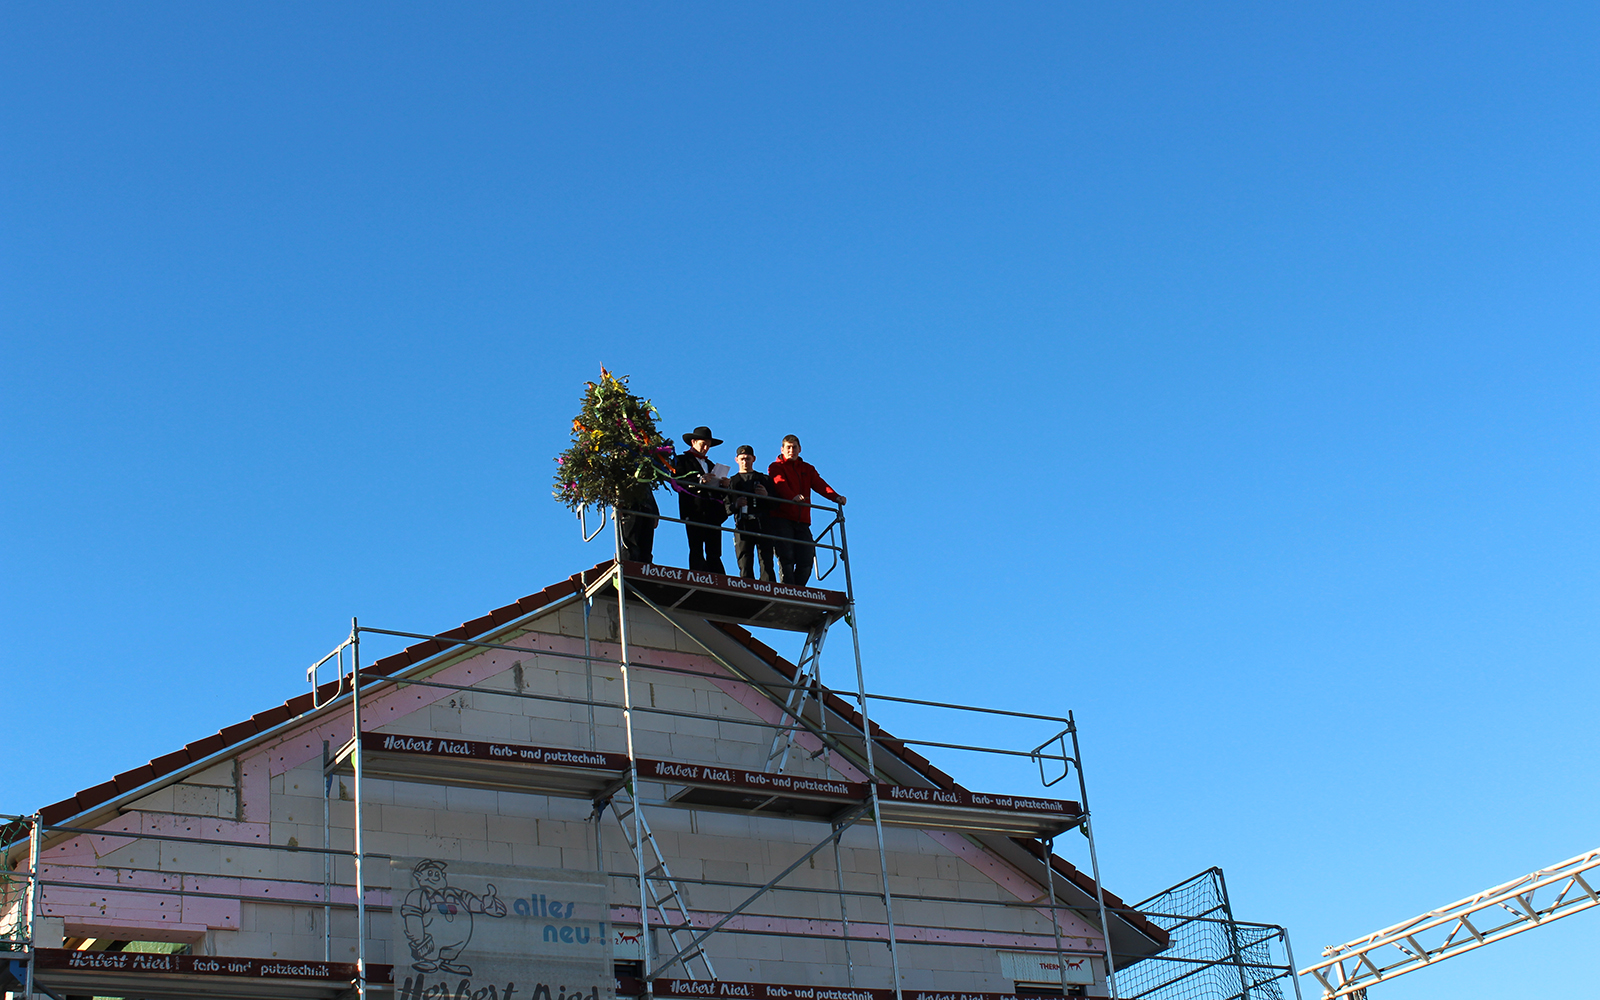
x=795, y=479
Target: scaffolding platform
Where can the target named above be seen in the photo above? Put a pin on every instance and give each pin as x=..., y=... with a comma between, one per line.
x=735, y=789
x=794, y=796
x=520, y=767
x=976, y=812
x=89, y=973
x=506, y=767
x=724, y=598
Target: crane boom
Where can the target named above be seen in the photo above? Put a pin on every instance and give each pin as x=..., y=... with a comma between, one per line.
x=1448, y=931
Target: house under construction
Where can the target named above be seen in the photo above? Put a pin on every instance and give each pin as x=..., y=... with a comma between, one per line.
x=612, y=773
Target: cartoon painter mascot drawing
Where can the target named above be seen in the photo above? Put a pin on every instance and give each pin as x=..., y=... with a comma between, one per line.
x=438, y=919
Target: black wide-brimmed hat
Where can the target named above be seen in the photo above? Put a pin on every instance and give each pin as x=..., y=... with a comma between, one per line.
x=701, y=433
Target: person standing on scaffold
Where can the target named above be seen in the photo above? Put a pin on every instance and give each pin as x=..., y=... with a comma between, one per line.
x=702, y=512
x=795, y=480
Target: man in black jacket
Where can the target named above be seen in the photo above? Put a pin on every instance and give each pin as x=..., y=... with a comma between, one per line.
x=637, y=523
x=749, y=516
x=702, y=511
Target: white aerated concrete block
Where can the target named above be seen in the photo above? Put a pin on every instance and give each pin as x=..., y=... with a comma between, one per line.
x=536, y=855
x=520, y=805
x=512, y=829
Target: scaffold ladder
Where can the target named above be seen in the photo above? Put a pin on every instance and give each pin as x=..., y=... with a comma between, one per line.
x=663, y=890
x=805, y=682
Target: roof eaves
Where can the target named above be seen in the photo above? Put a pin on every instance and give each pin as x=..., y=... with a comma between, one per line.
x=1085, y=883
x=200, y=754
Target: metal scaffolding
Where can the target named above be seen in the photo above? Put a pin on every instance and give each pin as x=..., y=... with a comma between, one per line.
x=1212, y=955
x=806, y=707
x=808, y=683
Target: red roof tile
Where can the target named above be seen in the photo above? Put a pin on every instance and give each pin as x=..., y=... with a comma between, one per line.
x=94, y=795
x=55, y=812
x=167, y=763
x=127, y=781
x=271, y=717
x=296, y=706
x=239, y=731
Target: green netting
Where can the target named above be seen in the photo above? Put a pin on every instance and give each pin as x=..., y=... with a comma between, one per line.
x=1211, y=956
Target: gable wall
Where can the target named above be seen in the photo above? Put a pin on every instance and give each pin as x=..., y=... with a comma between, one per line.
x=274, y=793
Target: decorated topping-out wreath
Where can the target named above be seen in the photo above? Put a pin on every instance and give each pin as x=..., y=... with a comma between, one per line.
x=616, y=450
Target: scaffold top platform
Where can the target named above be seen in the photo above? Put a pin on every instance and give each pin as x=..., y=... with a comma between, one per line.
x=724, y=598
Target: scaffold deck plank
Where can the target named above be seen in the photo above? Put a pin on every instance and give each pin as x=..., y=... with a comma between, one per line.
x=199, y=977
x=976, y=812
x=585, y=773
x=740, y=790
x=729, y=598
x=516, y=767
x=798, y=796
x=65, y=972
x=627, y=987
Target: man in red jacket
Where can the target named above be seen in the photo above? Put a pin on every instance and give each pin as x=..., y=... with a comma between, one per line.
x=795, y=480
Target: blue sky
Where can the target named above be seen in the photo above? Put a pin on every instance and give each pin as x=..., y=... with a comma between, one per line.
x=1224, y=374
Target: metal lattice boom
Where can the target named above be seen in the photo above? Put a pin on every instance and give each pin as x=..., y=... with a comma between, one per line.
x=1522, y=904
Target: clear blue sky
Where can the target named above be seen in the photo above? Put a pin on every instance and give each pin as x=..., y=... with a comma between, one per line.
x=1223, y=373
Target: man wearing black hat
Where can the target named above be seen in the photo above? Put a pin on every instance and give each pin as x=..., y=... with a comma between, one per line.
x=700, y=510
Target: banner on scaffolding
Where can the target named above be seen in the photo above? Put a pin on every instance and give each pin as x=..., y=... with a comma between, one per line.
x=495, y=932
x=1046, y=969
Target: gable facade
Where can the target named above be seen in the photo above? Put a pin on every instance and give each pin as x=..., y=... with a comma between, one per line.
x=962, y=901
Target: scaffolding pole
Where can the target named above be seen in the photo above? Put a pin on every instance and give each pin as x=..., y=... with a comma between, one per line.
x=633, y=758
x=35, y=846
x=1048, y=843
x=361, y=882
x=327, y=859
x=867, y=740
x=1094, y=860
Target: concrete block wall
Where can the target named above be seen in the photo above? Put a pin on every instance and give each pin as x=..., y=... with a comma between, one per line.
x=280, y=914
x=212, y=792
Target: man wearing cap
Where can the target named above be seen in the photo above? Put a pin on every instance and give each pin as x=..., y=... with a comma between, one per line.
x=750, y=516
x=701, y=511
x=793, y=479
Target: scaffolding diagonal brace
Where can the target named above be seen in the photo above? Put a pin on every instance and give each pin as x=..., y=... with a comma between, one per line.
x=700, y=939
x=807, y=678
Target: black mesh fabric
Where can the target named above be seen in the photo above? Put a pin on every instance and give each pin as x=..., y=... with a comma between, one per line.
x=1211, y=956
